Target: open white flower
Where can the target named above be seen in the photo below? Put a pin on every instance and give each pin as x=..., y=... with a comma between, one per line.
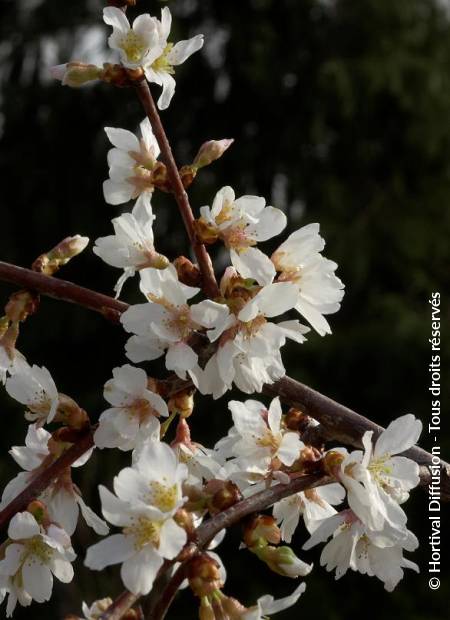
x=35, y=388
x=298, y=260
x=133, y=416
x=248, y=354
x=266, y=605
x=148, y=495
x=138, y=44
x=161, y=69
x=166, y=322
x=62, y=498
x=131, y=163
x=314, y=505
x=32, y=558
x=242, y=223
x=260, y=436
x=131, y=248
x=377, y=480
x=363, y=550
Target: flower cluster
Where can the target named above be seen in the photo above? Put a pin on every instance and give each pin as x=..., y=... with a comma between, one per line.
x=209, y=345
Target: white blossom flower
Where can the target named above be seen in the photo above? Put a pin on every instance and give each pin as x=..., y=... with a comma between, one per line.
x=148, y=495
x=133, y=416
x=62, y=498
x=298, y=260
x=161, y=69
x=32, y=558
x=320, y=291
x=314, y=505
x=241, y=223
x=260, y=436
x=166, y=322
x=376, y=480
x=248, y=354
x=131, y=248
x=131, y=163
x=363, y=550
x=266, y=605
x=35, y=388
x=137, y=45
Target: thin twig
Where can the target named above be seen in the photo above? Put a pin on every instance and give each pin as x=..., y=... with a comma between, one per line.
x=45, y=478
x=210, y=287
x=61, y=289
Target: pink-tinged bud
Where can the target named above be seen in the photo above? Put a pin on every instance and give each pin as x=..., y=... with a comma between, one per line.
x=51, y=261
x=75, y=73
x=261, y=530
x=210, y=151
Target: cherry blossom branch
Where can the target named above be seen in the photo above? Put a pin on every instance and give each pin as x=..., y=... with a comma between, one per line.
x=61, y=289
x=203, y=535
x=336, y=421
x=210, y=287
x=46, y=477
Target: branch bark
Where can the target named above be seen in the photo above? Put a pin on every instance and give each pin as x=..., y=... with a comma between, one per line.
x=210, y=287
x=337, y=421
x=45, y=478
x=207, y=531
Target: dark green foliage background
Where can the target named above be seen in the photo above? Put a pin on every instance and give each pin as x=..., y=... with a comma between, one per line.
x=341, y=114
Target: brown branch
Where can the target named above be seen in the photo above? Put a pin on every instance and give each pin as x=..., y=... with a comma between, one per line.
x=61, y=289
x=45, y=478
x=207, y=531
x=210, y=287
x=337, y=421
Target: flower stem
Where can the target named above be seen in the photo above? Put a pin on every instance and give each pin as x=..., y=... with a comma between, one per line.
x=209, y=283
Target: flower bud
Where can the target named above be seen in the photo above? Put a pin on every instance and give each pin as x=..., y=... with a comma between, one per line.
x=296, y=420
x=205, y=232
x=225, y=497
x=70, y=413
x=210, y=151
x=282, y=560
x=332, y=462
x=182, y=403
x=20, y=305
x=187, y=272
x=185, y=520
x=75, y=73
x=187, y=175
x=261, y=530
x=39, y=511
x=50, y=262
x=204, y=575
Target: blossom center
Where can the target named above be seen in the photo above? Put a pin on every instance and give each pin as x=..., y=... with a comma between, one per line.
x=164, y=497
x=145, y=532
x=161, y=63
x=36, y=547
x=133, y=46
x=142, y=409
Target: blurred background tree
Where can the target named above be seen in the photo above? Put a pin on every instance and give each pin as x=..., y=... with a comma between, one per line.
x=341, y=114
